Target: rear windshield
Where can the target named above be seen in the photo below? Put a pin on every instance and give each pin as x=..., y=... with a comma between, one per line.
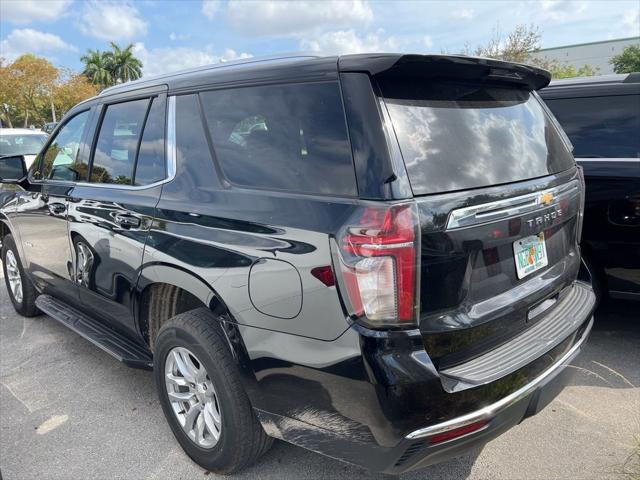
x=460, y=136
x=15, y=144
x=600, y=126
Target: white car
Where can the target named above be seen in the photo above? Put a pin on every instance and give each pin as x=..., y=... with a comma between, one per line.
x=22, y=141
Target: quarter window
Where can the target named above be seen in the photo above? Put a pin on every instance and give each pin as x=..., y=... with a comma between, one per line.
x=60, y=160
x=285, y=137
x=150, y=167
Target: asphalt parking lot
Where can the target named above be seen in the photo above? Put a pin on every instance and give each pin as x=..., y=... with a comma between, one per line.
x=70, y=411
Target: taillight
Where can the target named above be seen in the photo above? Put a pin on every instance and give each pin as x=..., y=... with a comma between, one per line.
x=378, y=253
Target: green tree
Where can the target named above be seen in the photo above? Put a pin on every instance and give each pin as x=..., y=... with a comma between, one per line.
x=33, y=91
x=123, y=64
x=627, y=61
x=70, y=89
x=517, y=46
x=567, y=71
x=522, y=45
x=97, y=68
x=27, y=89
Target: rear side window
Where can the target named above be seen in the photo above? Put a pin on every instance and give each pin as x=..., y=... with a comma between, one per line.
x=285, y=137
x=115, y=152
x=600, y=126
x=461, y=136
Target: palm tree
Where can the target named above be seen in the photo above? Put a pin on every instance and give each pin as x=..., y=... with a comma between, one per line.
x=124, y=65
x=97, y=68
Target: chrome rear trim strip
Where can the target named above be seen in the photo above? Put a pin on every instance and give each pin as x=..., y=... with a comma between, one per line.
x=510, y=207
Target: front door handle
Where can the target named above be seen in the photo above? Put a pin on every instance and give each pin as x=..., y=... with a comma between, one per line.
x=127, y=221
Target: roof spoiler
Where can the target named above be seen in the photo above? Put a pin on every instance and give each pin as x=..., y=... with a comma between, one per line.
x=447, y=67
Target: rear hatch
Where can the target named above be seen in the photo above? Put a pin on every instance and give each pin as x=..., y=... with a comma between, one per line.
x=498, y=197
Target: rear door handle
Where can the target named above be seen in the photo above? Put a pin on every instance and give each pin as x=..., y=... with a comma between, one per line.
x=127, y=221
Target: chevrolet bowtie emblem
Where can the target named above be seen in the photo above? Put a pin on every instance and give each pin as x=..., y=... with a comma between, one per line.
x=545, y=198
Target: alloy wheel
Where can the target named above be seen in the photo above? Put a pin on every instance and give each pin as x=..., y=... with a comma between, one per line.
x=84, y=264
x=193, y=398
x=13, y=276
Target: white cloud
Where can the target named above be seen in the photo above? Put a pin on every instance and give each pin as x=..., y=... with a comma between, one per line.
x=112, y=21
x=463, y=14
x=631, y=22
x=273, y=17
x=28, y=40
x=561, y=11
x=27, y=11
x=210, y=8
x=348, y=41
x=158, y=61
x=178, y=36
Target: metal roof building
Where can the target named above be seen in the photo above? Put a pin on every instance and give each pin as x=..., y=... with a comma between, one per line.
x=596, y=54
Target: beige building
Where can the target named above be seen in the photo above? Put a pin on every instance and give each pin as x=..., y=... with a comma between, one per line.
x=596, y=54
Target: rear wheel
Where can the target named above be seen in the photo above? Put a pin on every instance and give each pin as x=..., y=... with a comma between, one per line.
x=22, y=293
x=202, y=396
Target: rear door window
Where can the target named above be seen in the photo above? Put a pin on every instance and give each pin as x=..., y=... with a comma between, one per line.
x=607, y=126
x=115, y=152
x=461, y=136
x=284, y=137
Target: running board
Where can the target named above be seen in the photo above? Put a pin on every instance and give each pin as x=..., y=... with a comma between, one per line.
x=112, y=342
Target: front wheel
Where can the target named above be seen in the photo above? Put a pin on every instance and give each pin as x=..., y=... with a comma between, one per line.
x=22, y=293
x=202, y=396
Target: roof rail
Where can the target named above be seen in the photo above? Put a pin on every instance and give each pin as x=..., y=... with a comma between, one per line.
x=214, y=66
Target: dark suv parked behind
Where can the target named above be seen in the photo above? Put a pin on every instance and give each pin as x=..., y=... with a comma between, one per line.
x=373, y=256
x=601, y=116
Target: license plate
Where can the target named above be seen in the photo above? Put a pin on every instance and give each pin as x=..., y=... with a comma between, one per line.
x=530, y=254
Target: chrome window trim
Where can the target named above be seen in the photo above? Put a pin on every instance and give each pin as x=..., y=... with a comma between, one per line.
x=607, y=159
x=170, y=160
x=509, y=207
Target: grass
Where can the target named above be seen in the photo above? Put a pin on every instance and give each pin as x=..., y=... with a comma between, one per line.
x=630, y=468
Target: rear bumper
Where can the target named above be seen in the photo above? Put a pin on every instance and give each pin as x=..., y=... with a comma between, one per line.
x=500, y=416
x=416, y=449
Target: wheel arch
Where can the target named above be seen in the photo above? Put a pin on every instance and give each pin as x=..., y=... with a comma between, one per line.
x=4, y=226
x=165, y=290
x=7, y=229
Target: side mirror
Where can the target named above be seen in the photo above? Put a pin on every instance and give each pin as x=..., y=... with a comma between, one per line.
x=13, y=169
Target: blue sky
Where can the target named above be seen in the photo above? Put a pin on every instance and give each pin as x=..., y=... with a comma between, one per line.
x=170, y=35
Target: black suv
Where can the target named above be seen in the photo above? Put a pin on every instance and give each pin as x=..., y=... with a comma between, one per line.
x=601, y=116
x=370, y=256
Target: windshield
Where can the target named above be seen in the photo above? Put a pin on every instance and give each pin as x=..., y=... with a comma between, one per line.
x=459, y=136
x=15, y=144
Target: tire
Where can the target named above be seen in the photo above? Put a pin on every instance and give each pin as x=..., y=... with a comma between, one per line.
x=25, y=306
x=193, y=336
